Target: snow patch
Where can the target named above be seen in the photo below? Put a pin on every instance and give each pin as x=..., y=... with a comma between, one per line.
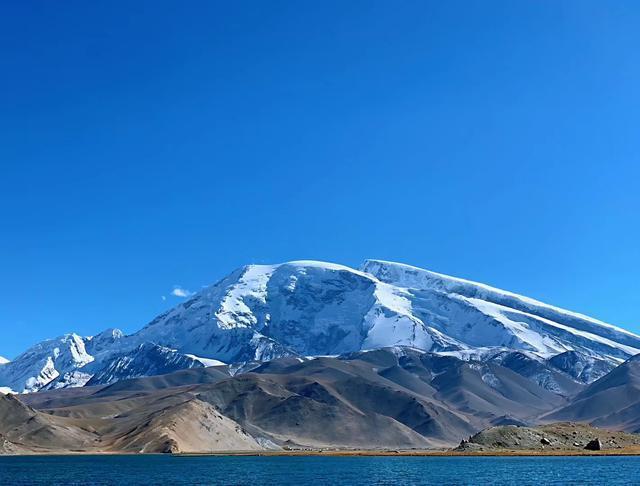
x=206, y=361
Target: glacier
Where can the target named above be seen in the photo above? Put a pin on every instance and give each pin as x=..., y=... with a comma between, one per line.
x=312, y=308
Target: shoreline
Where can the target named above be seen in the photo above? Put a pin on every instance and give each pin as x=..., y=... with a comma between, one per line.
x=421, y=453
x=629, y=451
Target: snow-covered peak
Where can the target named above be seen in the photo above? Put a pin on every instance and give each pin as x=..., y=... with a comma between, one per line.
x=416, y=278
x=3, y=360
x=409, y=276
x=264, y=311
x=104, y=341
x=44, y=362
x=325, y=266
x=317, y=308
x=111, y=334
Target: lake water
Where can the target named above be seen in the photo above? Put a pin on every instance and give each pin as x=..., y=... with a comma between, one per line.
x=171, y=470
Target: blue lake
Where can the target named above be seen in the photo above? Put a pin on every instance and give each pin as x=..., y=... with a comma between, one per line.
x=170, y=470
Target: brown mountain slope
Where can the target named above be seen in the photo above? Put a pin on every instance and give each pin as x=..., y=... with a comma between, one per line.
x=308, y=413
x=390, y=398
x=191, y=426
x=166, y=424
x=24, y=429
x=329, y=401
x=613, y=401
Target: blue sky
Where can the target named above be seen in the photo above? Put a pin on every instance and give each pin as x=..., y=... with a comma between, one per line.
x=158, y=144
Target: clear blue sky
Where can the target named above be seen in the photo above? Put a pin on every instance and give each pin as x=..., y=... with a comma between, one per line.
x=150, y=144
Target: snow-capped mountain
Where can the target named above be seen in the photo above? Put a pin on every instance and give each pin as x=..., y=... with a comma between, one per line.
x=528, y=323
x=315, y=308
x=146, y=360
x=309, y=308
x=74, y=361
x=45, y=362
x=3, y=360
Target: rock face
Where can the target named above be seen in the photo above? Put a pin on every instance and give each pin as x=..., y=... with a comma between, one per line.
x=594, y=445
x=308, y=308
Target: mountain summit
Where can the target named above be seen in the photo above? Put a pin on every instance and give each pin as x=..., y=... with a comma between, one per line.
x=310, y=308
x=316, y=308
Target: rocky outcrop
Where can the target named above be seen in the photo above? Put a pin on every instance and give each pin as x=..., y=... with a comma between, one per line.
x=554, y=437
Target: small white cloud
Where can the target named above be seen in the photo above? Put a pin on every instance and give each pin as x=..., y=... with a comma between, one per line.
x=180, y=292
x=163, y=297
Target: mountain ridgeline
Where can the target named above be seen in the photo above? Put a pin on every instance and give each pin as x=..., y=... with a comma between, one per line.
x=307, y=308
